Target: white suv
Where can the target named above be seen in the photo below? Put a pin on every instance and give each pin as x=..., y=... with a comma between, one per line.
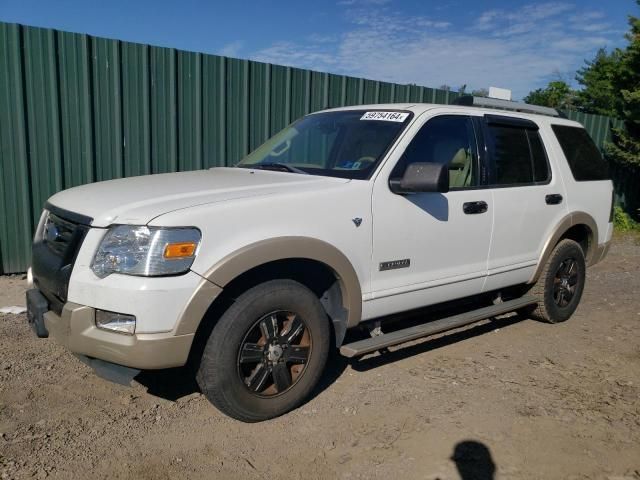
x=253, y=273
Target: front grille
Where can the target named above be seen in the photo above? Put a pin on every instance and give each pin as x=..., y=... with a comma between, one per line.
x=58, y=234
x=55, y=252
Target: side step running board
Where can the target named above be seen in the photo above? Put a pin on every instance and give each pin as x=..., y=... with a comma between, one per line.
x=373, y=344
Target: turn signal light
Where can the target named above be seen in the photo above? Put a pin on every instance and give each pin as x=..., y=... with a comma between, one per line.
x=180, y=250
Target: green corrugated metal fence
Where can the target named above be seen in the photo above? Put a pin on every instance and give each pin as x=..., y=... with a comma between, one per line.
x=76, y=109
x=598, y=126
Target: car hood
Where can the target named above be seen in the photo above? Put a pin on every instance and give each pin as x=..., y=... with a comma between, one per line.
x=138, y=200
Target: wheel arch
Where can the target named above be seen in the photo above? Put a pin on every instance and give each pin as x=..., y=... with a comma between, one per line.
x=304, y=259
x=578, y=226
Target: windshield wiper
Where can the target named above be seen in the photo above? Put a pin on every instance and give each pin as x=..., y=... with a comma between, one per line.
x=277, y=166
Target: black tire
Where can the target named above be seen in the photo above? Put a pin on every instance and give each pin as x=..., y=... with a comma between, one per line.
x=227, y=375
x=561, y=283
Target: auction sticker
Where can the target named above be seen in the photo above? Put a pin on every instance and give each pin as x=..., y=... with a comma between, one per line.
x=385, y=116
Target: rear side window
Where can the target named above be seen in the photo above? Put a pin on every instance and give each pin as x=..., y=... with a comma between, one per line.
x=518, y=156
x=584, y=158
x=539, y=156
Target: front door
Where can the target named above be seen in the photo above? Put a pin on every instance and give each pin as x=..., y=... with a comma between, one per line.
x=431, y=247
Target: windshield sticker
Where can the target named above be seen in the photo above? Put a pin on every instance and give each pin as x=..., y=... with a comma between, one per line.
x=385, y=116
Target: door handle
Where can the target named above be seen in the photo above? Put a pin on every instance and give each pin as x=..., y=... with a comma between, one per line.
x=472, y=208
x=553, y=199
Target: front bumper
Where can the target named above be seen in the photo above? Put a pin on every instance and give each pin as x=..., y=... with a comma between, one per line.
x=75, y=328
x=168, y=310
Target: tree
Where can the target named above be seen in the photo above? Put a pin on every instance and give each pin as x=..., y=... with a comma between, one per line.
x=558, y=94
x=481, y=92
x=598, y=95
x=625, y=148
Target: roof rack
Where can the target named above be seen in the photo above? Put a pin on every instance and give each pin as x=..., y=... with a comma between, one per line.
x=471, y=101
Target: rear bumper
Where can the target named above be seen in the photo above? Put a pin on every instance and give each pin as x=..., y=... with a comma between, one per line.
x=600, y=252
x=75, y=328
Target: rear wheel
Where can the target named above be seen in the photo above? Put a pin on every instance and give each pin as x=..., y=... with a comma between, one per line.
x=560, y=286
x=266, y=353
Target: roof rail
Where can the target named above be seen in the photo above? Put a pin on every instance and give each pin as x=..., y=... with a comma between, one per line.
x=471, y=101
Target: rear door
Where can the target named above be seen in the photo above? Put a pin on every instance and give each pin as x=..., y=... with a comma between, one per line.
x=529, y=197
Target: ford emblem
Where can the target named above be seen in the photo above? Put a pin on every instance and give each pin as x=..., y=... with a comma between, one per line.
x=51, y=233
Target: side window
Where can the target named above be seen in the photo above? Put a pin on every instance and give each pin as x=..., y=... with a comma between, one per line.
x=540, y=163
x=449, y=140
x=512, y=160
x=518, y=155
x=583, y=156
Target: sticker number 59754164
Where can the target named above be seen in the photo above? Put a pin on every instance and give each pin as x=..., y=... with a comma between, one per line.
x=385, y=116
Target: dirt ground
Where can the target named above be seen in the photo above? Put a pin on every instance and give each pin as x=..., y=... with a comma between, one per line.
x=521, y=398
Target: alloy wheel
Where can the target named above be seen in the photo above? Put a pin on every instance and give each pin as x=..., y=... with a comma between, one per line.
x=564, y=282
x=274, y=353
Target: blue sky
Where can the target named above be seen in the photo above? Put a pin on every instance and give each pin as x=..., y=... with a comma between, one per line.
x=513, y=44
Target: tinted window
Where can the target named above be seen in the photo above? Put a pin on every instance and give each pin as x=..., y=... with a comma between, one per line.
x=540, y=163
x=583, y=156
x=518, y=156
x=447, y=140
x=511, y=155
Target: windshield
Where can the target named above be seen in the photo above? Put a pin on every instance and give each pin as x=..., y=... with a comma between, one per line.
x=347, y=144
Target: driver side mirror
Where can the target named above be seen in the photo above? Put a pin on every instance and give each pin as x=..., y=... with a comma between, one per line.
x=422, y=177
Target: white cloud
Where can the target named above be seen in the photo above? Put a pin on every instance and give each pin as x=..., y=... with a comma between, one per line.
x=319, y=38
x=288, y=53
x=586, y=17
x=518, y=49
x=589, y=22
x=487, y=19
x=426, y=23
x=351, y=3
x=540, y=11
x=577, y=44
x=231, y=49
x=592, y=27
x=504, y=23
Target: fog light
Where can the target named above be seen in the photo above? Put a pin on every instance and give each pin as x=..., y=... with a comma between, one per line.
x=116, y=322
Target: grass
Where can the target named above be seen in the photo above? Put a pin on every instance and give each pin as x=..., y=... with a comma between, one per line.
x=624, y=226
x=623, y=223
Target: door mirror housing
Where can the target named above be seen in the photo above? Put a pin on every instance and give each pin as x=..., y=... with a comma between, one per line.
x=422, y=177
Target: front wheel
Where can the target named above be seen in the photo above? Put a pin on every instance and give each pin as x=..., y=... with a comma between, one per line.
x=266, y=353
x=561, y=283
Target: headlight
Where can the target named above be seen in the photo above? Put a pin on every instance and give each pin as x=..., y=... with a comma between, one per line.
x=146, y=251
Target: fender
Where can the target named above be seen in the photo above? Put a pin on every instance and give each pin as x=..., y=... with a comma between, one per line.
x=269, y=250
x=575, y=218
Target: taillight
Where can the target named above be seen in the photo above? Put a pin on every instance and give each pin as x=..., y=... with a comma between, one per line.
x=613, y=201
